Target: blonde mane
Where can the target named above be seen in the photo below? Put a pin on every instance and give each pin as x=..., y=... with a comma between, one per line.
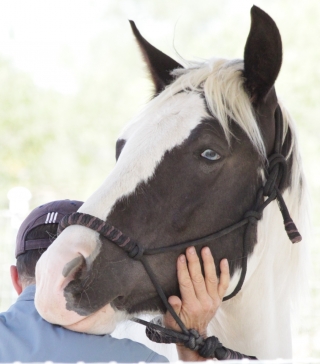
x=221, y=82
x=296, y=198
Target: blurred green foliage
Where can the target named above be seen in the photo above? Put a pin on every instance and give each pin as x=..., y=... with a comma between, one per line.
x=27, y=117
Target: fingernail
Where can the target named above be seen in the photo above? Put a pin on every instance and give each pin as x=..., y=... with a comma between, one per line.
x=206, y=251
x=192, y=250
x=225, y=262
x=182, y=258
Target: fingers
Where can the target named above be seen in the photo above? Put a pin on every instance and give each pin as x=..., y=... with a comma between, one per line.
x=185, y=284
x=196, y=275
x=213, y=287
x=201, y=294
x=224, y=278
x=211, y=279
x=209, y=284
x=168, y=320
x=175, y=302
x=191, y=280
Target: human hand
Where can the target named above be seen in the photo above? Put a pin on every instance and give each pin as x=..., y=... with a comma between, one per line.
x=201, y=295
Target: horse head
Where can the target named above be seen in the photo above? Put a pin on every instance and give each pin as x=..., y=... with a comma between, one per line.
x=189, y=165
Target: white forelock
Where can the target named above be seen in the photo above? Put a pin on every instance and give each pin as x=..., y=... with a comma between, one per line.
x=167, y=120
x=222, y=83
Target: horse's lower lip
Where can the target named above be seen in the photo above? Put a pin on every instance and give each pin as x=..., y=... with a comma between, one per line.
x=149, y=303
x=118, y=303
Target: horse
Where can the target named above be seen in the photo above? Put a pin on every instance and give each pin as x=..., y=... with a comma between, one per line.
x=203, y=164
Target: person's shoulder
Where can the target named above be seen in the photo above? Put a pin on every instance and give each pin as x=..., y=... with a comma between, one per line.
x=2, y=318
x=134, y=351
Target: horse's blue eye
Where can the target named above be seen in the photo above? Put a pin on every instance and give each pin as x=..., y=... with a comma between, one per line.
x=210, y=154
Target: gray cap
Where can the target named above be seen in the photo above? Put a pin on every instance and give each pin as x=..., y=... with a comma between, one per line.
x=49, y=213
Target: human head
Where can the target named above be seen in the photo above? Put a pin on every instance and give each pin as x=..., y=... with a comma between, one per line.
x=35, y=234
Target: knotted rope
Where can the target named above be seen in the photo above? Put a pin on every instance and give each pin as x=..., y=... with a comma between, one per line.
x=210, y=347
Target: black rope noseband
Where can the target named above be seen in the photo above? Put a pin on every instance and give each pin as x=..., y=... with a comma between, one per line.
x=210, y=347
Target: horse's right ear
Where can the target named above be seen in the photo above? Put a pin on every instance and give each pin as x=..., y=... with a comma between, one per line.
x=159, y=64
x=262, y=55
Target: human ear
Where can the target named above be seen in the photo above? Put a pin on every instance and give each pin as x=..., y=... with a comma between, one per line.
x=15, y=279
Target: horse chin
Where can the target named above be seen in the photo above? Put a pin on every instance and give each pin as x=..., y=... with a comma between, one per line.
x=103, y=321
x=152, y=305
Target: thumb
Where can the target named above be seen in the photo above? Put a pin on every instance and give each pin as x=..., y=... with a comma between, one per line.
x=176, y=303
x=168, y=320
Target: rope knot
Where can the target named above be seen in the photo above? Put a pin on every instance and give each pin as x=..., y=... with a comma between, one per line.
x=275, y=159
x=135, y=251
x=253, y=216
x=195, y=340
x=277, y=172
x=211, y=344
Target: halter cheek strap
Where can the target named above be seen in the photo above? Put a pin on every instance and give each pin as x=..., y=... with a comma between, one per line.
x=276, y=175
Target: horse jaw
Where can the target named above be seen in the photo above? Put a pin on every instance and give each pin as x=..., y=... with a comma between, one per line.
x=102, y=322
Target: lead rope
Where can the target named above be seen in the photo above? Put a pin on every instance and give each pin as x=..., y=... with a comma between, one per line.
x=209, y=347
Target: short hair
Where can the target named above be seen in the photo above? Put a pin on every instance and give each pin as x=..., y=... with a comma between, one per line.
x=26, y=262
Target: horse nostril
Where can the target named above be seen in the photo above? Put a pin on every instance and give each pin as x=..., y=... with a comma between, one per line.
x=73, y=267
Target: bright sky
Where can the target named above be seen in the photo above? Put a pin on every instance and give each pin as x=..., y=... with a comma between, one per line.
x=48, y=38
x=36, y=34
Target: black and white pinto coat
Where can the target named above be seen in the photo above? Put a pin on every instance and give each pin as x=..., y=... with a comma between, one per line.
x=188, y=165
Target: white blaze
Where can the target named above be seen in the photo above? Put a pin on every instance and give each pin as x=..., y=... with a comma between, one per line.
x=153, y=135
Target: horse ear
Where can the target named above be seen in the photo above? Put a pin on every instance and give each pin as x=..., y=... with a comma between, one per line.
x=262, y=55
x=159, y=64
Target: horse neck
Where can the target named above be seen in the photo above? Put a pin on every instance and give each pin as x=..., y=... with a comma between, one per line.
x=257, y=320
x=253, y=324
